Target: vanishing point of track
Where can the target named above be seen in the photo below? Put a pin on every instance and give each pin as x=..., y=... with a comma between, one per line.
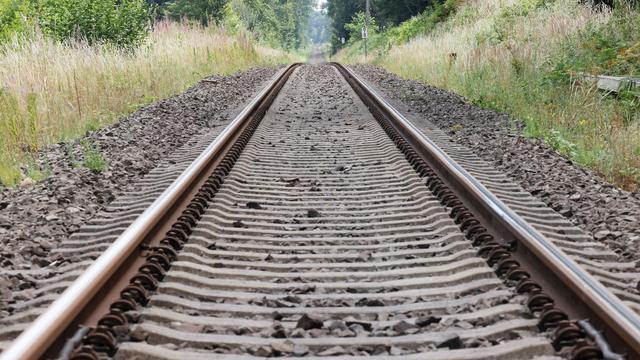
x=322, y=224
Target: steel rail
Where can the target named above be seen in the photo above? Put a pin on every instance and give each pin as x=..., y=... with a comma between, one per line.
x=609, y=309
x=40, y=335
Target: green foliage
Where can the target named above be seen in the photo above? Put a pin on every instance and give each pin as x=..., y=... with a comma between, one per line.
x=394, y=12
x=521, y=8
x=200, y=10
x=93, y=160
x=381, y=42
x=35, y=172
x=281, y=24
x=423, y=23
x=15, y=18
x=341, y=13
x=501, y=28
x=358, y=21
x=612, y=48
x=124, y=23
x=405, y=18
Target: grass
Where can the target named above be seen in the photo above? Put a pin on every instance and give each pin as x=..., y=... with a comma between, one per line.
x=52, y=92
x=93, y=159
x=521, y=57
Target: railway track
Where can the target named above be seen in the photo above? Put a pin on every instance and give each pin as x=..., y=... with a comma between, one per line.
x=321, y=224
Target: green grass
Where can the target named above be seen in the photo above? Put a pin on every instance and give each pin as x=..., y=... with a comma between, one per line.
x=523, y=59
x=93, y=159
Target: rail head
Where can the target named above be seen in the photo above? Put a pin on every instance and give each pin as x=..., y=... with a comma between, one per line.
x=612, y=311
x=38, y=337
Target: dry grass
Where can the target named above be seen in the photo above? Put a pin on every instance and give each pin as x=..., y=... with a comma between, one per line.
x=504, y=52
x=51, y=91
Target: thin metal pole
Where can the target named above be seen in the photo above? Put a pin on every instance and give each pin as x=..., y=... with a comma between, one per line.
x=366, y=27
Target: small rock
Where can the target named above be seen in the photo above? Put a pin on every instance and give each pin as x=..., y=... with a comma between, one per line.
x=254, y=205
x=464, y=325
x=284, y=347
x=298, y=334
x=427, y=320
x=276, y=316
x=312, y=213
x=345, y=333
x=51, y=217
x=336, y=350
x=310, y=321
x=575, y=196
x=239, y=224
x=375, y=302
x=350, y=320
x=404, y=327
x=27, y=183
x=453, y=342
x=365, y=256
x=337, y=324
x=277, y=331
x=137, y=334
x=300, y=350
x=263, y=351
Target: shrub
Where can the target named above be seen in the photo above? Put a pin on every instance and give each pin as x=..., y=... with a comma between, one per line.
x=15, y=17
x=357, y=24
x=124, y=23
x=93, y=159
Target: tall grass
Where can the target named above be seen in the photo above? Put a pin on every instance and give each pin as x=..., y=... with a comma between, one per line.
x=506, y=58
x=51, y=91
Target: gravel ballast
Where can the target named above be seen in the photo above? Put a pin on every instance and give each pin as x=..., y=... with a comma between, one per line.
x=610, y=214
x=35, y=217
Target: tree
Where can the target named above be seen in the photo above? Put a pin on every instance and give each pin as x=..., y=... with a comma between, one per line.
x=277, y=23
x=394, y=12
x=386, y=12
x=341, y=12
x=200, y=10
x=357, y=24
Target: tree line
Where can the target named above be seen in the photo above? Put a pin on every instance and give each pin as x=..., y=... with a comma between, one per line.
x=126, y=23
x=346, y=15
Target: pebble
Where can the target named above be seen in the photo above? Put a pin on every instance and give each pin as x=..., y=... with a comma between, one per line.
x=310, y=321
x=452, y=342
x=334, y=351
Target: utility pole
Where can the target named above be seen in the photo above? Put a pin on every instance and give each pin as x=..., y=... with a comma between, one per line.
x=366, y=26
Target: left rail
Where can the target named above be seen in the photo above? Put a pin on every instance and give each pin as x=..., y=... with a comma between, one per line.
x=64, y=313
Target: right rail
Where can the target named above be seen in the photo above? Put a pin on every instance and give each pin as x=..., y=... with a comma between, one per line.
x=579, y=294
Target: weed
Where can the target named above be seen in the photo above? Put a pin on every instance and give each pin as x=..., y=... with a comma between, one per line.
x=456, y=128
x=92, y=125
x=93, y=159
x=35, y=172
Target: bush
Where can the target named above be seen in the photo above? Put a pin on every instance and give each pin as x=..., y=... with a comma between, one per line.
x=354, y=28
x=611, y=48
x=14, y=17
x=124, y=23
